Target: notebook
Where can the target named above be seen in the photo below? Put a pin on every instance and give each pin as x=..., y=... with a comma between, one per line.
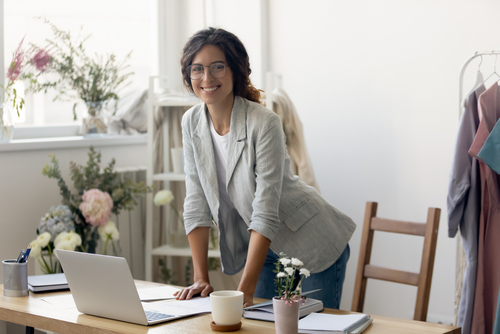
x=103, y=286
x=52, y=282
x=265, y=312
x=322, y=323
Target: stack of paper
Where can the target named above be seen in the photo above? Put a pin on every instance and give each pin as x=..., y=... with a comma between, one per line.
x=52, y=282
x=321, y=323
x=265, y=312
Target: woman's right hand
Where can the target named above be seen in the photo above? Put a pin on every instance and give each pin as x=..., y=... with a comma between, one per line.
x=200, y=286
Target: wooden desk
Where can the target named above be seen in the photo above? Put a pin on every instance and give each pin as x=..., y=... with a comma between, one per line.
x=35, y=312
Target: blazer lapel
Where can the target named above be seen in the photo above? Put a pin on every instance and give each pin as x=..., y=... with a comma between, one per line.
x=205, y=152
x=237, y=135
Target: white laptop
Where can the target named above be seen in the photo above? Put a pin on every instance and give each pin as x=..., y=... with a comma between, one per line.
x=103, y=286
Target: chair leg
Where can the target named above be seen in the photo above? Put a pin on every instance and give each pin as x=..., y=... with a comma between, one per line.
x=427, y=264
x=364, y=258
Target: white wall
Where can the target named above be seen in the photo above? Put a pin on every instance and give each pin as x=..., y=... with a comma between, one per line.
x=376, y=87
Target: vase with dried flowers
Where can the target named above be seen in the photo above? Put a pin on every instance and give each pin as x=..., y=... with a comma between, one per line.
x=289, y=277
x=95, y=80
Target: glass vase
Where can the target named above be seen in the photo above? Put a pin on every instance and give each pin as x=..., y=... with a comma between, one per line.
x=6, y=122
x=95, y=123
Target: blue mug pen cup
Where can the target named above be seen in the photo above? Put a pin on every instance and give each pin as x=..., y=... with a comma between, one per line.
x=15, y=278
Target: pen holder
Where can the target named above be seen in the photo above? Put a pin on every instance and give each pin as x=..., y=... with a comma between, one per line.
x=15, y=278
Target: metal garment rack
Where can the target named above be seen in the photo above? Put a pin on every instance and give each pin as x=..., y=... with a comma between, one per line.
x=462, y=72
x=460, y=260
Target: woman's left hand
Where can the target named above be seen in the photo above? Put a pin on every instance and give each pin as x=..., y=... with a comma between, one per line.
x=247, y=299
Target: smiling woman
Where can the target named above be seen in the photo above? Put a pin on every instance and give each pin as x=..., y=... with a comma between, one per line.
x=116, y=27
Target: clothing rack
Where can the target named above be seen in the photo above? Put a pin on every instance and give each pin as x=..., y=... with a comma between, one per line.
x=462, y=72
x=461, y=262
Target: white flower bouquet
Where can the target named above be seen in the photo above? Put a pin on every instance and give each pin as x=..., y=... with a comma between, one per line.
x=289, y=278
x=46, y=242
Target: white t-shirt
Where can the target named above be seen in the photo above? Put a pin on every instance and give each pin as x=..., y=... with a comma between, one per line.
x=230, y=222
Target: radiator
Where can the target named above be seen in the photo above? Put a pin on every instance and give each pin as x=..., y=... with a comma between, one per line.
x=132, y=226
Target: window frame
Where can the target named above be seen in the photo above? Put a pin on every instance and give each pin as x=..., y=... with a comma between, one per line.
x=36, y=132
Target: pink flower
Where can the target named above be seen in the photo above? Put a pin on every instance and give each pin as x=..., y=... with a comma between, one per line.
x=41, y=59
x=96, y=207
x=16, y=63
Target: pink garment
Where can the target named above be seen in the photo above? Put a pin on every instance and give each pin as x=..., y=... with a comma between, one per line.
x=488, y=264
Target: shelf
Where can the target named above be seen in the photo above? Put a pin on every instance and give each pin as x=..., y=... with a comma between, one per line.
x=177, y=102
x=184, y=251
x=169, y=177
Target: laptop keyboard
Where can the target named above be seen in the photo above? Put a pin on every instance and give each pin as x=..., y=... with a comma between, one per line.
x=154, y=316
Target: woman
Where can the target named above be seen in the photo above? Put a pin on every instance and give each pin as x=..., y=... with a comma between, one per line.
x=238, y=175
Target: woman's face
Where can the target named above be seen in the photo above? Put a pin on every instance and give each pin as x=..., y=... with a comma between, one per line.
x=215, y=92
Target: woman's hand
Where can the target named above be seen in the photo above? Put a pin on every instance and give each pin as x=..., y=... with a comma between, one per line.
x=201, y=287
x=247, y=299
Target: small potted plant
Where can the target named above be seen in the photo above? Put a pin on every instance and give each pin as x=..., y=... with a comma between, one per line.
x=288, y=281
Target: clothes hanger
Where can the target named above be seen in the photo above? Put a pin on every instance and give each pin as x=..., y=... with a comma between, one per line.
x=494, y=71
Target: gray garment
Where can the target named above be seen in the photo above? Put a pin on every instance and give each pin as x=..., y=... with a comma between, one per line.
x=268, y=197
x=464, y=204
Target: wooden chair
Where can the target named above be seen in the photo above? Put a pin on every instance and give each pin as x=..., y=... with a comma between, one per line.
x=422, y=279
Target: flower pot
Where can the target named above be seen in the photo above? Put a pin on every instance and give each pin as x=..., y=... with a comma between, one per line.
x=286, y=316
x=95, y=123
x=6, y=122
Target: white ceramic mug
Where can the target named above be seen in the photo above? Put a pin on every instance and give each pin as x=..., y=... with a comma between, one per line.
x=227, y=307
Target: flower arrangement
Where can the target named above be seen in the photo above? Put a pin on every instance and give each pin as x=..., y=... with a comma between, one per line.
x=96, y=80
x=97, y=193
x=35, y=60
x=55, y=231
x=289, y=277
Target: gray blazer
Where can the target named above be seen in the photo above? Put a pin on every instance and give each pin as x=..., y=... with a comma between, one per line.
x=270, y=199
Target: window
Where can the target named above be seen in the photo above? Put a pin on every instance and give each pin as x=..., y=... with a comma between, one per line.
x=116, y=26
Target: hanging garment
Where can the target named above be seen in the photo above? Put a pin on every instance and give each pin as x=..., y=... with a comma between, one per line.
x=295, y=142
x=464, y=204
x=488, y=266
x=490, y=152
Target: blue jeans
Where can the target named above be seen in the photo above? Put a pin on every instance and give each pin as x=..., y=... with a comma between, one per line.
x=331, y=280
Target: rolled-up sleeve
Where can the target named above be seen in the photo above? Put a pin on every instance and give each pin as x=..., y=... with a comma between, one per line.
x=270, y=153
x=196, y=208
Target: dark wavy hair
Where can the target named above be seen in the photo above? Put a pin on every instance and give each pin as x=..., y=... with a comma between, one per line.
x=236, y=57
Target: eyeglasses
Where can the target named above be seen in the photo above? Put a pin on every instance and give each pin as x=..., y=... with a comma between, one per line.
x=196, y=71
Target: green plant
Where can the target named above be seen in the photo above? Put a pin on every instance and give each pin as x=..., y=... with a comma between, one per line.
x=95, y=79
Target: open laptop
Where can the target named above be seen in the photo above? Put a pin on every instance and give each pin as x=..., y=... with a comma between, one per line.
x=103, y=286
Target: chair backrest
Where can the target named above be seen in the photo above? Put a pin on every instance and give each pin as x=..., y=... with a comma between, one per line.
x=422, y=280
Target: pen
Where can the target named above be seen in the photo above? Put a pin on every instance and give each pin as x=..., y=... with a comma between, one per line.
x=26, y=254
x=20, y=257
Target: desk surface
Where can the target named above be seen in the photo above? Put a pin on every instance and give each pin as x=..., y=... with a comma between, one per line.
x=34, y=312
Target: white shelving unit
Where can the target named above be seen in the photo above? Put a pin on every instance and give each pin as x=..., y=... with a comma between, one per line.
x=167, y=176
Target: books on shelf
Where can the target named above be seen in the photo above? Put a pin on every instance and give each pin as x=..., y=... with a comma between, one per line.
x=265, y=312
x=51, y=282
x=322, y=323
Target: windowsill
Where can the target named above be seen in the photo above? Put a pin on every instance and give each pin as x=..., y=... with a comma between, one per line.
x=71, y=142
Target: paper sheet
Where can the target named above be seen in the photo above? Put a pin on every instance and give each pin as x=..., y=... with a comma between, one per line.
x=158, y=293
x=180, y=307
